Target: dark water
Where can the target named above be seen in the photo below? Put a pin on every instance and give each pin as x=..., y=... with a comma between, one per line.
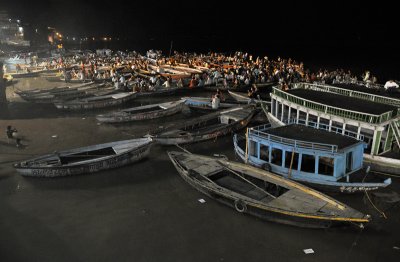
x=146, y=212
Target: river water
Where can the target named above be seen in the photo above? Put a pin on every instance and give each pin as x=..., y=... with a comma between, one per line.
x=145, y=211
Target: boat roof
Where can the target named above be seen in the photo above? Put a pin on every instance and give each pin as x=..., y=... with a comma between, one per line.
x=344, y=102
x=310, y=134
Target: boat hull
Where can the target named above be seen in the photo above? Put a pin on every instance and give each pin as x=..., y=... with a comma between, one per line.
x=94, y=104
x=254, y=209
x=116, y=161
x=141, y=116
x=189, y=137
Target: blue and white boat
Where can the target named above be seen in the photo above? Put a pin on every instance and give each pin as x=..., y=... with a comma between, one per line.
x=323, y=158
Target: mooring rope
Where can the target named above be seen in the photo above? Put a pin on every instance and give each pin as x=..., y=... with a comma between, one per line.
x=369, y=199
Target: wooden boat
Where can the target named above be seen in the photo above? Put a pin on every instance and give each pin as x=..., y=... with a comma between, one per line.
x=327, y=160
x=159, y=91
x=204, y=104
x=240, y=97
x=96, y=102
x=206, y=127
x=143, y=112
x=86, y=159
x=64, y=94
x=34, y=92
x=262, y=194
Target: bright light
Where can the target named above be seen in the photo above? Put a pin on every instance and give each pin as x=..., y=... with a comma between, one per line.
x=105, y=38
x=73, y=38
x=20, y=29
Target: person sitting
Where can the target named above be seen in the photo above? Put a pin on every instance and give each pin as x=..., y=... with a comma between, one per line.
x=180, y=83
x=215, y=102
x=167, y=83
x=391, y=85
x=193, y=83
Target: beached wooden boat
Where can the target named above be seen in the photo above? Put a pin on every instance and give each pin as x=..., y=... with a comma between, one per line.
x=96, y=102
x=86, y=159
x=33, y=92
x=206, y=127
x=143, y=112
x=65, y=93
x=263, y=194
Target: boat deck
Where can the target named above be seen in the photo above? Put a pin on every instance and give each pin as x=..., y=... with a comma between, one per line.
x=310, y=134
x=344, y=102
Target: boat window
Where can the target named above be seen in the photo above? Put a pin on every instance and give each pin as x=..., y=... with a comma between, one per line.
x=349, y=161
x=276, y=156
x=308, y=163
x=326, y=165
x=253, y=149
x=288, y=159
x=264, y=152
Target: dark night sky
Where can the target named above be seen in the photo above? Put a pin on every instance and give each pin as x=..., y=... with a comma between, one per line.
x=304, y=21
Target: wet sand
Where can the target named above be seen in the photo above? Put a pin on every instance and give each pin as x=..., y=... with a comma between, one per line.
x=145, y=211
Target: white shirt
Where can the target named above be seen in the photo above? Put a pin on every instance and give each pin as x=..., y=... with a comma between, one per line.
x=391, y=84
x=215, y=102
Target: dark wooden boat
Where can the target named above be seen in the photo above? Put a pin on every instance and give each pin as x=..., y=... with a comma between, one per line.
x=88, y=159
x=143, y=112
x=262, y=194
x=96, y=101
x=206, y=127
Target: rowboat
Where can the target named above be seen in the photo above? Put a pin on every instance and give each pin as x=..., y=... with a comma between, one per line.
x=204, y=104
x=65, y=93
x=262, y=194
x=88, y=159
x=143, y=112
x=206, y=127
x=239, y=97
x=96, y=102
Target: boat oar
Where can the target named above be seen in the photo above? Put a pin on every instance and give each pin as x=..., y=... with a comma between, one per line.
x=183, y=149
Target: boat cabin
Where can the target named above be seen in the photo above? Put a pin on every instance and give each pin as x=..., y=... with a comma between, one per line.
x=299, y=151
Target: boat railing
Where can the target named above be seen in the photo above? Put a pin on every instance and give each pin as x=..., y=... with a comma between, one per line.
x=331, y=110
x=322, y=126
x=351, y=93
x=258, y=131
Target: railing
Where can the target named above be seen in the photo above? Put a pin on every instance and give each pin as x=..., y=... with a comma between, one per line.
x=330, y=110
x=259, y=132
x=351, y=93
x=333, y=129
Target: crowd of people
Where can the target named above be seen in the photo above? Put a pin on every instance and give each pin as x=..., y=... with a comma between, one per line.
x=131, y=70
